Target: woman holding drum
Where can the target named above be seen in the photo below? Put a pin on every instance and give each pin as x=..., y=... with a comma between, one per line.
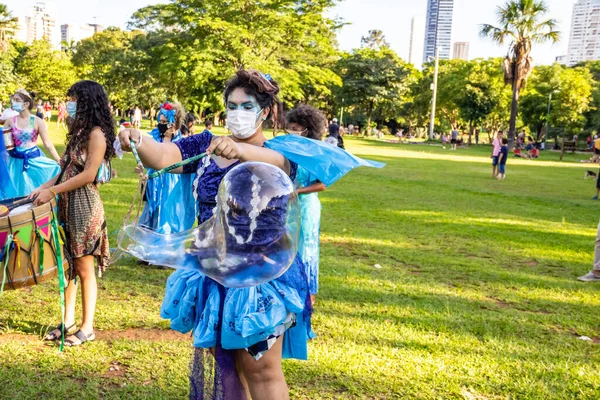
x=27, y=165
x=80, y=209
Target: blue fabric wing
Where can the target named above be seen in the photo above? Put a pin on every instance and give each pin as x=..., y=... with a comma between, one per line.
x=326, y=162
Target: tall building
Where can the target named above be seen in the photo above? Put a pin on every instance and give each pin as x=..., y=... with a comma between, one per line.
x=461, y=51
x=411, y=45
x=438, y=29
x=75, y=33
x=415, y=51
x=40, y=25
x=97, y=28
x=584, y=39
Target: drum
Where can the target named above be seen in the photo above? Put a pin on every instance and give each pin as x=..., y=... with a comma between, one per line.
x=32, y=259
x=9, y=143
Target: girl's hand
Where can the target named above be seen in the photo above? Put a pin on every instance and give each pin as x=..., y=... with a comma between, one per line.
x=43, y=197
x=127, y=135
x=139, y=169
x=224, y=146
x=35, y=193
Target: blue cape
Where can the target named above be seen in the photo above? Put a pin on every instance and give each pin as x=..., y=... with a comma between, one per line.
x=326, y=162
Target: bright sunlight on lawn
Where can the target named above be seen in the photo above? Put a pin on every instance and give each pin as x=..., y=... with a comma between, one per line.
x=473, y=296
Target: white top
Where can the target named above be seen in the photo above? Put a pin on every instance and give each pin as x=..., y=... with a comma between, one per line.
x=8, y=113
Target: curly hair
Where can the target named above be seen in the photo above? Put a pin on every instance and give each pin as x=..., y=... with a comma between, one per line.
x=92, y=111
x=263, y=88
x=310, y=118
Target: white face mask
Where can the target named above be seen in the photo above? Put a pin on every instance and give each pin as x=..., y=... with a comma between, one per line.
x=242, y=123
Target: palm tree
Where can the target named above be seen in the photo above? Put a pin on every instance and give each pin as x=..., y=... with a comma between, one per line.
x=522, y=23
x=8, y=25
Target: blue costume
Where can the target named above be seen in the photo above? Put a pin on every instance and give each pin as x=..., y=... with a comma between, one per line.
x=6, y=184
x=27, y=165
x=170, y=204
x=249, y=317
x=310, y=229
x=220, y=316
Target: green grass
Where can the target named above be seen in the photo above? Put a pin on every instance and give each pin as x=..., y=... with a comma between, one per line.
x=476, y=296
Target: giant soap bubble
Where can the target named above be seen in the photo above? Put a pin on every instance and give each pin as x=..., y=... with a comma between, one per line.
x=251, y=238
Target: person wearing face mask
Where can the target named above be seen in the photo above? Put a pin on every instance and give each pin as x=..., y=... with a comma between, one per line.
x=7, y=114
x=170, y=205
x=27, y=165
x=246, y=369
x=89, y=143
x=311, y=123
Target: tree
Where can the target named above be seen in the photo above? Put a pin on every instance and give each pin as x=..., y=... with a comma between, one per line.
x=123, y=62
x=8, y=26
x=8, y=77
x=571, y=92
x=376, y=81
x=478, y=100
x=375, y=40
x=47, y=72
x=522, y=23
x=201, y=43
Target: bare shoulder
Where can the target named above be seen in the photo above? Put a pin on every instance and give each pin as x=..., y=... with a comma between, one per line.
x=97, y=137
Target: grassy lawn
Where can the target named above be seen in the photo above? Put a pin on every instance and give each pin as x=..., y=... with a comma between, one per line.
x=475, y=296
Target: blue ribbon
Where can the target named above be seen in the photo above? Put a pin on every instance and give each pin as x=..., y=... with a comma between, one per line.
x=26, y=155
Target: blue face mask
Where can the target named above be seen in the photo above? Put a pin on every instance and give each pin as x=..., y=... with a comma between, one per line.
x=71, y=108
x=17, y=106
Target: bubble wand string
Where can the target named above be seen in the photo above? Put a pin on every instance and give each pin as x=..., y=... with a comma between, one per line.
x=176, y=165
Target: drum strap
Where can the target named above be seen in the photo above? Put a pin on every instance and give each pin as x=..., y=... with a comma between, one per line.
x=38, y=236
x=61, y=276
x=5, y=258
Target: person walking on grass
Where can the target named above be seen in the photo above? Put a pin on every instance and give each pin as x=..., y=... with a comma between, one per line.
x=454, y=138
x=594, y=274
x=502, y=157
x=496, y=145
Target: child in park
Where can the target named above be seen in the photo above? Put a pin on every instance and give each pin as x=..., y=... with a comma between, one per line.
x=502, y=157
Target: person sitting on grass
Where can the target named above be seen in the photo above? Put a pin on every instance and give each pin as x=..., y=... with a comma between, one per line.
x=502, y=159
x=517, y=152
x=594, y=274
x=532, y=150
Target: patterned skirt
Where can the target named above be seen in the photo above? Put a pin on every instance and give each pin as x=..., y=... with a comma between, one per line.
x=81, y=214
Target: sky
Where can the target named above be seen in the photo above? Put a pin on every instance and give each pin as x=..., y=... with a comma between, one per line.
x=393, y=17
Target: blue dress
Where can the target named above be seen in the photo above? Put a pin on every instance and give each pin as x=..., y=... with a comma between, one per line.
x=235, y=318
x=310, y=229
x=170, y=205
x=6, y=184
x=27, y=165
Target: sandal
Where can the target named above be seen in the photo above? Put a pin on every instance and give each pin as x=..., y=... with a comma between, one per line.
x=52, y=335
x=81, y=335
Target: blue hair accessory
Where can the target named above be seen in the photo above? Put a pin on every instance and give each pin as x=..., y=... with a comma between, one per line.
x=167, y=110
x=267, y=77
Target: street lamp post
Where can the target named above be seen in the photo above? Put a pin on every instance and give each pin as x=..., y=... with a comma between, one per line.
x=434, y=97
x=548, y=115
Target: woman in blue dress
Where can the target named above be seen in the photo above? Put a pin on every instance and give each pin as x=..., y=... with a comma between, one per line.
x=170, y=204
x=27, y=165
x=311, y=123
x=194, y=301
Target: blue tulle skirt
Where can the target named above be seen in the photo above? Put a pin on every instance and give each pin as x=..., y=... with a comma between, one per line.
x=309, y=243
x=30, y=173
x=170, y=205
x=237, y=318
x=6, y=185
